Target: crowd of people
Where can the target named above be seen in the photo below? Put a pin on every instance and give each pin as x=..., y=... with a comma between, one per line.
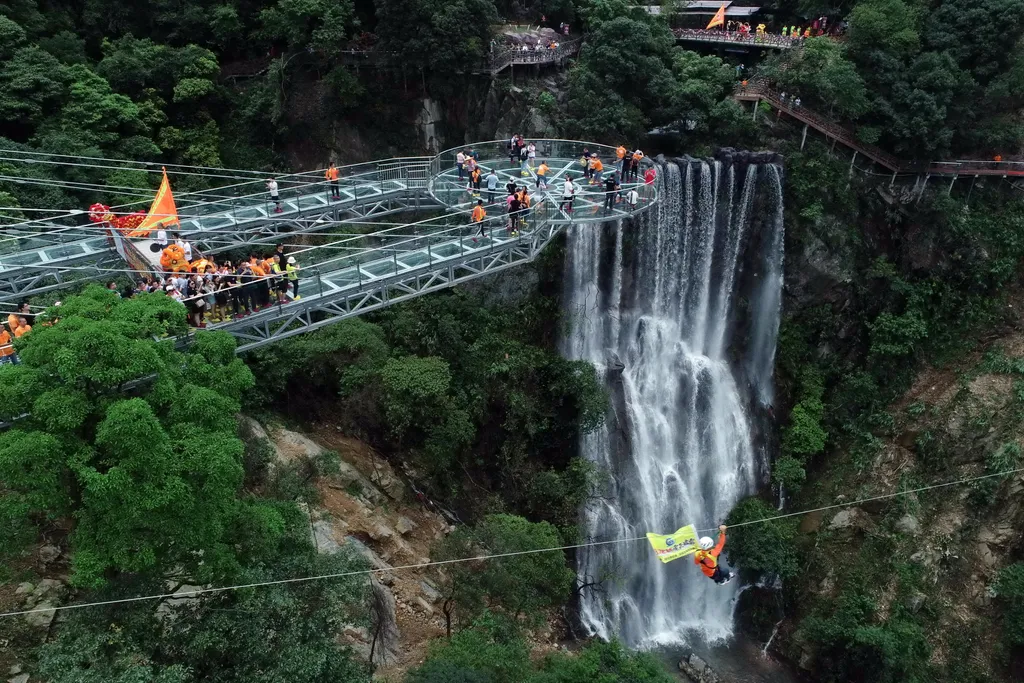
x=744, y=31
x=217, y=292
x=523, y=155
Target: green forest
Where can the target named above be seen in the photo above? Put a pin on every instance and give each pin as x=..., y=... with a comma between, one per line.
x=900, y=360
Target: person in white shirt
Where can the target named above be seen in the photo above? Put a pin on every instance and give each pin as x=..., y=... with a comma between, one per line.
x=568, y=193
x=274, y=196
x=161, y=238
x=460, y=163
x=632, y=199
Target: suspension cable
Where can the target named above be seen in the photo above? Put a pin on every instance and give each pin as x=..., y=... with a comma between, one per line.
x=482, y=558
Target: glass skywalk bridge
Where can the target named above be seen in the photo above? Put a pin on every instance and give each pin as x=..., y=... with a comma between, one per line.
x=39, y=256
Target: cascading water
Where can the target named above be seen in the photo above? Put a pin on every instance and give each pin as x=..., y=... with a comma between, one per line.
x=680, y=310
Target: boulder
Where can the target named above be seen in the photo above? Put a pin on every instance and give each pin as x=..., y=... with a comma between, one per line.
x=698, y=670
x=323, y=537
x=380, y=532
x=423, y=605
x=383, y=624
x=846, y=519
x=404, y=525
x=430, y=590
x=20, y=678
x=250, y=430
x=25, y=588
x=915, y=602
x=48, y=554
x=908, y=524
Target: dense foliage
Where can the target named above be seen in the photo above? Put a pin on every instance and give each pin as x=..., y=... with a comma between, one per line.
x=492, y=651
x=473, y=390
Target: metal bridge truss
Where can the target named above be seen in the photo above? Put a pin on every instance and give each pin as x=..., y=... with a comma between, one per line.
x=331, y=305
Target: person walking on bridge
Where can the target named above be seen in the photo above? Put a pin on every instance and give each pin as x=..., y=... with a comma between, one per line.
x=332, y=178
x=274, y=195
x=479, y=214
x=542, y=175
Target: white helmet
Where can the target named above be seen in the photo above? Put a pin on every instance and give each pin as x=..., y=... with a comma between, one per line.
x=706, y=543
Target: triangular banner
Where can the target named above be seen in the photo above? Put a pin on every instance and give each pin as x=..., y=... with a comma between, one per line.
x=719, y=17
x=162, y=213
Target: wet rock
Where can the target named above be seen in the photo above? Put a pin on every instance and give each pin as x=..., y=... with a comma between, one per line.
x=48, y=554
x=908, y=524
x=915, y=602
x=698, y=670
x=404, y=525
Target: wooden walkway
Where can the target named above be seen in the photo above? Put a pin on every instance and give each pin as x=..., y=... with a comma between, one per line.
x=757, y=92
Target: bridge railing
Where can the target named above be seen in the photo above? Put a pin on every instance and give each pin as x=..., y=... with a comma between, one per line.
x=710, y=36
x=505, y=57
x=238, y=202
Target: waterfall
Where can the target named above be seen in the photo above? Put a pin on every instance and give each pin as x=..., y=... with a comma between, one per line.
x=679, y=310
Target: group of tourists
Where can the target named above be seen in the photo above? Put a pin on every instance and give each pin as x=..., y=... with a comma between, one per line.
x=216, y=292
x=18, y=325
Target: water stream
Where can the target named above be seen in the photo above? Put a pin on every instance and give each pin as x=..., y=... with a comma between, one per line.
x=680, y=311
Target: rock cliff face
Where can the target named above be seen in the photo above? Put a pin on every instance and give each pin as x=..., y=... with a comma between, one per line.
x=367, y=506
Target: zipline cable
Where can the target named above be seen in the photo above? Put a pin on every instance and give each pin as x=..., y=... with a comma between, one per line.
x=481, y=558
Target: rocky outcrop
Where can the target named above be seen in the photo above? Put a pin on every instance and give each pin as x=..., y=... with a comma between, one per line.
x=365, y=508
x=698, y=670
x=43, y=596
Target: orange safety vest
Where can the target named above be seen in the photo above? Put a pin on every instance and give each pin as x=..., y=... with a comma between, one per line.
x=708, y=559
x=598, y=166
x=637, y=156
x=12, y=321
x=5, y=344
x=22, y=330
x=331, y=174
x=478, y=214
x=542, y=170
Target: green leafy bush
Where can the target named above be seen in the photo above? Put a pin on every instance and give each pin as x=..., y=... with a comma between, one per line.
x=765, y=548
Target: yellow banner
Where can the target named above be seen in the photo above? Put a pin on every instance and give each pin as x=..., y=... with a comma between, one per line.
x=680, y=544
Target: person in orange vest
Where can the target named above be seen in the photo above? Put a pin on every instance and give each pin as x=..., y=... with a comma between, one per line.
x=542, y=175
x=332, y=177
x=596, y=169
x=634, y=168
x=7, y=355
x=23, y=327
x=479, y=214
x=621, y=154
x=260, y=288
x=12, y=319
x=707, y=558
x=474, y=181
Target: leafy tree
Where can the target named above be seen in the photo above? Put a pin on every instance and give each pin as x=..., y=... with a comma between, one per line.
x=524, y=585
x=765, y=548
x=264, y=635
x=491, y=650
x=965, y=29
x=604, y=662
x=1009, y=588
x=447, y=37
x=150, y=480
x=32, y=85
x=821, y=73
x=319, y=25
x=11, y=37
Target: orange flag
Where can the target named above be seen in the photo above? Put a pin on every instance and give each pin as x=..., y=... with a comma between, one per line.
x=162, y=212
x=719, y=17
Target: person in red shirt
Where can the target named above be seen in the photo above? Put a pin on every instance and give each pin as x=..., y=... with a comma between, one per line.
x=649, y=176
x=707, y=558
